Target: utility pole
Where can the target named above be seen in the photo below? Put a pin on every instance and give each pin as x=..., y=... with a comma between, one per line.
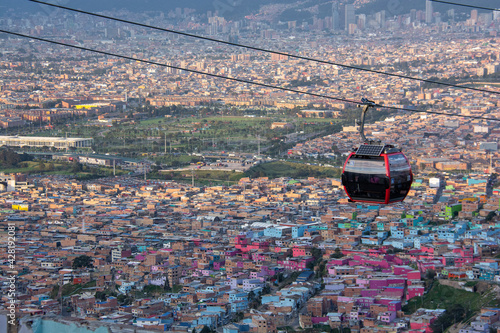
x=258, y=145
x=491, y=163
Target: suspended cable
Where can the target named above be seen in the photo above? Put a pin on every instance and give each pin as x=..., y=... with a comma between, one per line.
x=266, y=50
x=116, y=235
x=180, y=68
x=464, y=5
x=236, y=79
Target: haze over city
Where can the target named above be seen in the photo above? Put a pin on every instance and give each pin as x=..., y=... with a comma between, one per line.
x=194, y=166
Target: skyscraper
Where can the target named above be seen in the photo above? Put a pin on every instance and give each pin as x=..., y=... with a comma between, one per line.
x=428, y=11
x=451, y=14
x=473, y=16
x=380, y=18
x=350, y=16
x=496, y=14
x=335, y=16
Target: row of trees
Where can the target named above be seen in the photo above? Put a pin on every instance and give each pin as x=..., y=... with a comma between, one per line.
x=9, y=158
x=452, y=315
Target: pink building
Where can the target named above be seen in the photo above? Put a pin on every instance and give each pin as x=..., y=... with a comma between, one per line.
x=258, y=257
x=393, y=292
x=218, y=265
x=414, y=291
x=402, y=270
x=294, y=264
x=301, y=251
x=338, y=262
x=370, y=292
x=394, y=306
x=345, y=299
x=422, y=324
x=396, y=282
x=378, y=283
x=413, y=275
x=387, y=317
x=362, y=282
x=365, y=302
x=319, y=320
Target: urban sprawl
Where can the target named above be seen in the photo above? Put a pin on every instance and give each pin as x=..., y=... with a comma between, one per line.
x=264, y=255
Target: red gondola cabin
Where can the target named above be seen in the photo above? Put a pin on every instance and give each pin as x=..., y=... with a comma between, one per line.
x=377, y=174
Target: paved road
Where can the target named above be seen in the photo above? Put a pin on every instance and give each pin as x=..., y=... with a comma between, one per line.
x=230, y=166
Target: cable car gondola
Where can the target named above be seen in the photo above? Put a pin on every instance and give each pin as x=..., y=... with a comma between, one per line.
x=376, y=172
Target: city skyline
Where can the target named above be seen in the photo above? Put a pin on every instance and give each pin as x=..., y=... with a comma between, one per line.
x=154, y=179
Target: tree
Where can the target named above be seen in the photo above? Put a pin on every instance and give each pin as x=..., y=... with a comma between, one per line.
x=55, y=291
x=430, y=274
x=82, y=261
x=166, y=285
x=238, y=317
x=337, y=254
x=266, y=289
x=454, y=314
x=100, y=295
x=322, y=269
x=76, y=166
x=206, y=329
x=41, y=166
x=9, y=158
x=124, y=299
x=316, y=253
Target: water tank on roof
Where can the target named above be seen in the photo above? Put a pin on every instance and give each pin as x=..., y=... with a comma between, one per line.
x=434, y=182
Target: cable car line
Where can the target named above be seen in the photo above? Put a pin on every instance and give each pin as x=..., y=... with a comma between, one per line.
x=238, y=80
x=179, y=68
x=465, y=5
x=376, y=172
x=266, y=50
x=114, y=235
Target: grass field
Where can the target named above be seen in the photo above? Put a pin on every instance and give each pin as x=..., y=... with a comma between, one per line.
x=204, y=177
x=292, y=169
x=443, y=297
x=54, y=168
x=272, y=170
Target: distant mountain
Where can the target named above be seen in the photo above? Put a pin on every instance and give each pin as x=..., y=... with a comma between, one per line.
x=241, y=7
x=399, y=7
x=237, y=9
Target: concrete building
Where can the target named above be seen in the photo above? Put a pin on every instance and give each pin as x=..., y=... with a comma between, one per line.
x=428, y=12
x=59, y=143
x=350, y=16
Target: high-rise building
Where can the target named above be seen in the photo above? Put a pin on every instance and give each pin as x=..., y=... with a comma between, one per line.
x=350, y=16
x=473, y=16
x=380, y=18
x=428, y=12
x=451, y=14
x=361, y=21
x=485, y=18
x=413, y=15
x=352, y=28
x=335, y=16
x=496, y=14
